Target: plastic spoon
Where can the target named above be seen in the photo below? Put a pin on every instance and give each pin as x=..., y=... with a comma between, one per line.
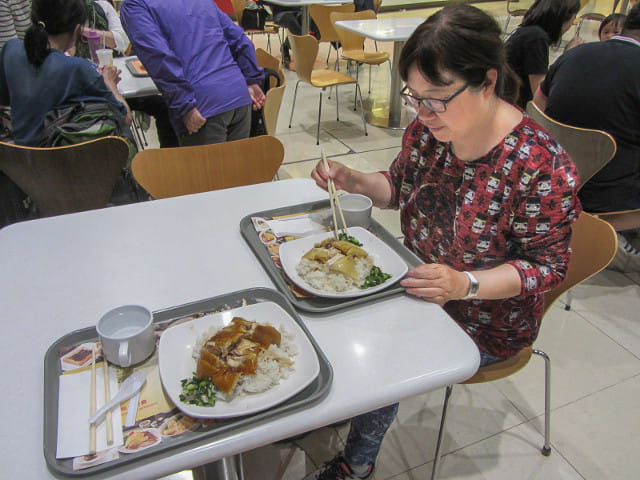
x=129, y=388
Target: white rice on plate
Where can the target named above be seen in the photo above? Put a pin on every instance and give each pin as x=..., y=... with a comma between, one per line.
x=319, y=276
x=274, y=364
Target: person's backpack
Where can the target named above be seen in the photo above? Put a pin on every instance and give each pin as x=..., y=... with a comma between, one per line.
x=257, y=118
x=83, y=121
x=254, y=16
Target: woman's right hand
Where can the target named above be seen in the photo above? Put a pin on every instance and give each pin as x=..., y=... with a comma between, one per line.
x=111, y=75
x=340, y=174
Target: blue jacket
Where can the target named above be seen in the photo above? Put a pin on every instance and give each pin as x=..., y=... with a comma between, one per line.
x=32, y=92
x=195, y=54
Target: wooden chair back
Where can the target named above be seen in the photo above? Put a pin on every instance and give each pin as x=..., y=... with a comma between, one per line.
x=274, y=96
x=376, y=5
x=305, y=50
x=589, y=149
x=66, y=179
x=593, y=244
x=321, y=15
x=350, y=40
x=170, y=172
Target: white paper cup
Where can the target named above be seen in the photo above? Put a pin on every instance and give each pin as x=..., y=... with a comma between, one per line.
x=105, y=57
x=127, y=335
x=356, y=209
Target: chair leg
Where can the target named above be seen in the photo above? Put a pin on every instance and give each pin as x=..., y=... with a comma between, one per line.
x=355, y=97
x=546, y=449
x=567, y=305
x=364, y=122
x=337, y=105
x=436, y=460
x=319, y=112
x=369, y=79
x=295, y=94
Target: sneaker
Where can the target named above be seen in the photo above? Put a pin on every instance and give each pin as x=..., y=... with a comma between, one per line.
x=627, y=257
x=338, y=469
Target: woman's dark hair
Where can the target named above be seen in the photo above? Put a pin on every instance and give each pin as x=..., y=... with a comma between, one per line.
x=615, y=18
x=51, y=17
x=633, y=19
x=464, y=41
x=551, y=15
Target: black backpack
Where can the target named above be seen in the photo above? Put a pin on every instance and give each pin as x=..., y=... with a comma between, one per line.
x=257, y=117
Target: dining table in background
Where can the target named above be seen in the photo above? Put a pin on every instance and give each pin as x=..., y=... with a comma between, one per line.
x=131, y=86
x=304, y=6
x=60, y=274
x=387, y=112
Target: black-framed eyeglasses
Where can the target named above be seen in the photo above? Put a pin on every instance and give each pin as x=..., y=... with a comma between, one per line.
x=436, y=105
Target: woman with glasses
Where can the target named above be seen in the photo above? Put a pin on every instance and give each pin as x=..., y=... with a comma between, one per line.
x=486, y=197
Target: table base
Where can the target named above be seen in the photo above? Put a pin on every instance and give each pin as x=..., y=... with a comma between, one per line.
x=377, y=112
x=228, y=468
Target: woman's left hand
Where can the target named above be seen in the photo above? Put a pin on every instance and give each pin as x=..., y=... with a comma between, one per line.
x=436, y=283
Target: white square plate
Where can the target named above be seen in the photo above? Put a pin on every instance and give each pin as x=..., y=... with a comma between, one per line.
x=176, y=361
x=383, y=256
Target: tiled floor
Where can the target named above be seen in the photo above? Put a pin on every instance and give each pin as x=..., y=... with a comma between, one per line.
x=493, y=430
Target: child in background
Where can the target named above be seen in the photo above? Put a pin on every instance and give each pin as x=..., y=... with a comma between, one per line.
x=610, y=26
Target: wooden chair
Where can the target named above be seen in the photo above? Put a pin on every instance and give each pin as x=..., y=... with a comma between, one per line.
x=269, y=27
x=275, y=94
x=305, y=51
x=66, y=179
x=591, y=16
x=594, y=244
x=589, y=149
x=517, y=10
x=321, y=14
x=170, y=172
x=353, y=43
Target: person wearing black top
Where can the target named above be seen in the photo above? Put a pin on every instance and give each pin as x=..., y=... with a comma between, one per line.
x=528, y=46
x=597, y=86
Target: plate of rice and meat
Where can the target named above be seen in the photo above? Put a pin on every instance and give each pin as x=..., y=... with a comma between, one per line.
x=237, y=362
x=356, y=265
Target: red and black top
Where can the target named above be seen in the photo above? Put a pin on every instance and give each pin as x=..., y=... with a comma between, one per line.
x=514, y=205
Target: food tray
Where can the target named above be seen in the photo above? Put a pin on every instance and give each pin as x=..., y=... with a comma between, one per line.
x=62, y=468
x=318, y=304
x=135, y=67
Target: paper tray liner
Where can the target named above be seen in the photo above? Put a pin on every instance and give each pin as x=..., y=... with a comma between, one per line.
x=62, y=468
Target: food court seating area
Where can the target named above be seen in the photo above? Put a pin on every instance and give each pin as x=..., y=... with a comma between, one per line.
x=495, y=429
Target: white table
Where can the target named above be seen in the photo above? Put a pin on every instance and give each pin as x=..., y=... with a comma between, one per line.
x=131, y=86
x=304, y=5
x=396, y=30
x=60, y=274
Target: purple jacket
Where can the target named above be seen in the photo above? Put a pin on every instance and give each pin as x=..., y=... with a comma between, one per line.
x=195, y=54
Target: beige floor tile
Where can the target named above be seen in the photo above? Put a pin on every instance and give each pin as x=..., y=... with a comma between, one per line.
x=599, y=434
x=583, y=361
x=274, y=462
x=510, y=455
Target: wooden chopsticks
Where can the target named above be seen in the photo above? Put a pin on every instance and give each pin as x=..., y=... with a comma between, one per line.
x=334, y=200
x=92, y=403
x=107, y=397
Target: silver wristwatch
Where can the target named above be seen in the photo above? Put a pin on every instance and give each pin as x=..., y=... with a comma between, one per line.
x=474, y=286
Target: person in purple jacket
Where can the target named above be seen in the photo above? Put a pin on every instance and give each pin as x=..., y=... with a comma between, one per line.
x=202, y=63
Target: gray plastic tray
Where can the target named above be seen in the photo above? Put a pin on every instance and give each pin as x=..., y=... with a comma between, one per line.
x=62, y=468
x=318, y=304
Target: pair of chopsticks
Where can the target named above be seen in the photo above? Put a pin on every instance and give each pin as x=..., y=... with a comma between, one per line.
x=334, y=200
x=92, y=402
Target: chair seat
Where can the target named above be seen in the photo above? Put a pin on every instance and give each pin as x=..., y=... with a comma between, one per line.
x=370, y=58
x=498, y=370
x=323, y=78
x=270, y=29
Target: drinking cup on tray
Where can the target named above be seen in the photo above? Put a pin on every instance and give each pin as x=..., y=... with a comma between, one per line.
x=356, y=209
x=127, y=335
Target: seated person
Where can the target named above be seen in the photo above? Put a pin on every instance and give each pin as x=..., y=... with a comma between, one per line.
x=104, y=19
x=36, y=75
x=487, y=200
x=597, y=86
x=528, y=45
x=611, y=25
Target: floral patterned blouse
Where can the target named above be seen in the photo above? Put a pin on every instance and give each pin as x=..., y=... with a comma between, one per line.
x=514, y=205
